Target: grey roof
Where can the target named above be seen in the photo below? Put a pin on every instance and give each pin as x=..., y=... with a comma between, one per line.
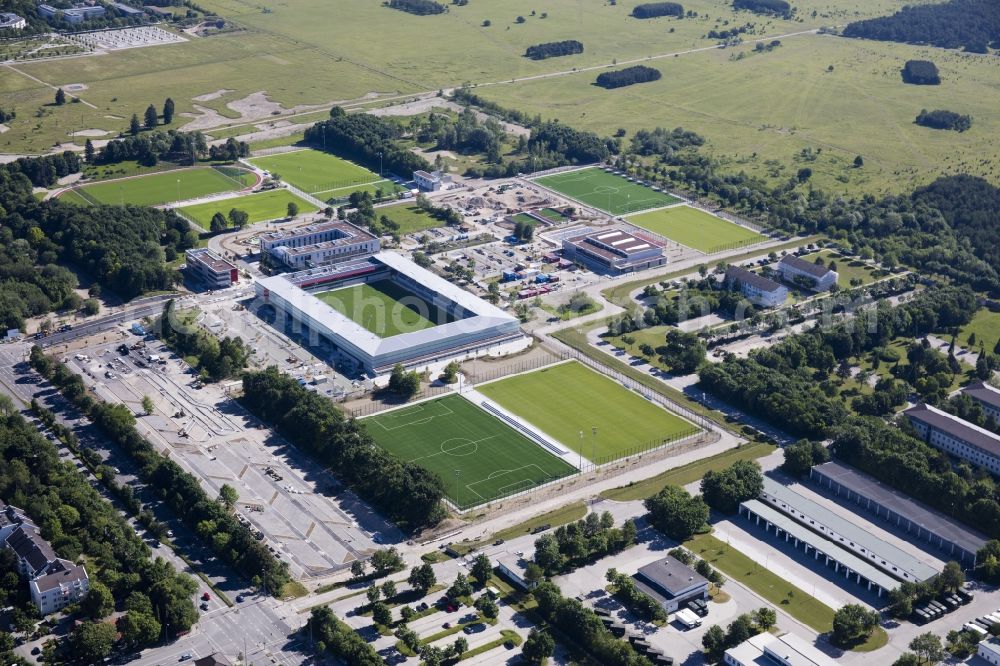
x=58, y=572
x=670, y=576
x=743, y=275
x=29, y=545
x=845, y=528
x=815, y=270
x=792, y=650
x=984, y=393
x=971, y=434
x=824, y=545
x=910, y=509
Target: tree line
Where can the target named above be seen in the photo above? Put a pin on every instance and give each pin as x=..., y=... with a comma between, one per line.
x=554, y=49
x=970, y=24
x=466, y=133
x=573, y=545
x=181, y=491
x=656, y=9
x=31, y=283
x=628, y=76
x=771, y=7
x=363, y=137
x=214, y=359
x=45, y=170
x=418, y=7
x=943, y=119
x=404, y=492
x=968, y=205
x=148, y=149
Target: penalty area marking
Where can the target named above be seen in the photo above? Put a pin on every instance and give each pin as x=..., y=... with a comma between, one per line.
x=500, y=473
x=409, y=411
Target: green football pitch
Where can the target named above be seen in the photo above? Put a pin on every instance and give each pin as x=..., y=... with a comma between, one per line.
x=316, y=172
x=568, y=399
x=162, y=188
x=696, y=229
x=478, y=457
x=262, y=206
x=606, y=191
x=384, y=308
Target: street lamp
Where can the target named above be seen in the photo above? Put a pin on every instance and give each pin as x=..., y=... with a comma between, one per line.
x=593, y=448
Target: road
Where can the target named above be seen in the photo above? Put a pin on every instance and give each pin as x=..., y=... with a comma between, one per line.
x=147, y=307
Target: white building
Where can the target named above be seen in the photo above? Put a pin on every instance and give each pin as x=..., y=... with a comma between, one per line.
x=757, y=289
x=211, y=269
x=671, y=583
x=322, y=244
x=990, y=651
x=513, y=566
x=957, y=437
x=770, y=650
x=987, y=396
x=431, y=182
x=76, y=14
x=613, y=251
x=10, y=21
x=800, y=271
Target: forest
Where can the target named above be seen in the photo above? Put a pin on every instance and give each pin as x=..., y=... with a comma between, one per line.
x=773, y=7
x=554, y=49
x=942, y=119
x=970, y=24
x=655, y=9
x=403, y=492
x=418, y=7
x=362, y=137
x=45, y=170
x=969, y=205
x=921, y=73
x=149, y=148
x=628, y=76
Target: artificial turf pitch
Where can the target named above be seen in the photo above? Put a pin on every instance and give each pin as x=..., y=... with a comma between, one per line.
x=261, y=206
x=606, y=191
x=568, y=399
x=478, y=457
x=161, y=188
x=696, y=229
x=384, y=308
x=314, y=171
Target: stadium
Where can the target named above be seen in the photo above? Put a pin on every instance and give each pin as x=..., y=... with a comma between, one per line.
x=381, y=310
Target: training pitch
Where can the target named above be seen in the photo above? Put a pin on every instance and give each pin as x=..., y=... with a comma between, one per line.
x=384, y=308
x=696, y=229
x=161, y=188
x=568, y=399
x=478, y=457
x=260, y=207
x=606, y=191
x=316, y=172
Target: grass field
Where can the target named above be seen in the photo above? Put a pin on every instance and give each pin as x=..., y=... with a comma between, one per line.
x=847, y=268
x=696, y=229
x=314, y=171
x=525, y=218
x=389, y=190
x=551, y=214
x=606, y=191
x=567, y=399
x=478, y=457
x=161, y=188
x=384, y=308
x=986, y=326
x=261, y=206
x=410, y=218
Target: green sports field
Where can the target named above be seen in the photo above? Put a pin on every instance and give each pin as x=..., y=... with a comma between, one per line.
x=384, y=308
x=567, y=399
x=262, y=206
x=314, y=171
x=410, y=218
x=478, y=457
x=161, y=188
x=696, y=229
x=606, y=191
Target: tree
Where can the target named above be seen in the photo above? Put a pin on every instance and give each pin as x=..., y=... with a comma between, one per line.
x=60, y=97
x=907, y=659
x=740, y=629
x=951, y=578
x=99, y=602
x=676, y=513
x=422, y=578
x=218, y=223
x=358, y=568
x=459, y=647
x=859, y=162
x=450, y=373
x=168, y=111
x=481, y=568
x=151, y=120
x=89, y=151
x=802, y=455
x=91, y=306
x=488, y=607
x=714, y=642
x=374, y=593
x=432, y=656
x=147, y=404
x=853, y=624
x=293, y=209
x=228, y=496
x=409, y=638
x=538, y=647
x=138, y=628
x=133, y=125
x=92, y=641
x=460, y=588
x=724, y=490
x=386, y=560
x=765, y=618
x=928, y=648
x=533, y=573
x=402, y=383
x=238, y=218
x=381, y=614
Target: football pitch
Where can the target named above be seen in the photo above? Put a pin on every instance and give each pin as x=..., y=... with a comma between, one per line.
x=478, y=457
x=568, y=399
x=260, y=207
x=384, y=308
x=606, y=191
x=696, y=229
x=316, y=172
x=161, y=188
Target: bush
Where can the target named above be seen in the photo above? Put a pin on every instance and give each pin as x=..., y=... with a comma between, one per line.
x=628, y=77
x=554, y=49
x=921, y=72
x=941, y=119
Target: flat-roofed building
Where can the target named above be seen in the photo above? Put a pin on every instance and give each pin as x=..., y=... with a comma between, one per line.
x=990, y=651
x=613, y=251
x=321, y=244
x=513, y=567
x=959, y=438
x=127, y=10
x=987, y=396
x=430, y=182
x=951, y=538
x=757, y=289
x=9, y=21
x=76, y=14
x=769, y=650
x=799, y=271
x=671, y=583
x=211, y=269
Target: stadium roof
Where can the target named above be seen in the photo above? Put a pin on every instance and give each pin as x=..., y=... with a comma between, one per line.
x=815, y=270
x=824, y=545
x=751, y=278
x=918, y=514
x=971, y=434
x=984, y=393
x=894, y=556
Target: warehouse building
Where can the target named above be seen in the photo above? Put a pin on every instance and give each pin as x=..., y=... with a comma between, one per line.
x=800, y=271
x=818, y=518
x=769, y=650
x=671, y=583
x=757, y=289
x=989, y=651
x=322, y=244
x=210, y=269
x=613, y=251
x=987, y=396
x=959, y=438
x=952, y=539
